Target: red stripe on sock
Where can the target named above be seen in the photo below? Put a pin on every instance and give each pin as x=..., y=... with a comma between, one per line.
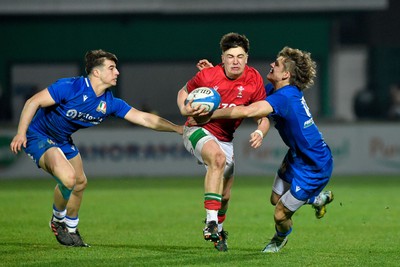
x=212, y=204
x=221, y=218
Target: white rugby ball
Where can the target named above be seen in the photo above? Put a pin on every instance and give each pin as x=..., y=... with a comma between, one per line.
x=207, y=97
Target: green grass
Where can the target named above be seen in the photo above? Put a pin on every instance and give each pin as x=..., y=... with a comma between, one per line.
x=158, y=222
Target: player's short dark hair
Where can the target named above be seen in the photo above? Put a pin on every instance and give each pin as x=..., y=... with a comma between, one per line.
x=232, y=40
x=96, y=58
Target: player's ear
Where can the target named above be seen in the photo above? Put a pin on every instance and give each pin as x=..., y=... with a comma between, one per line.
x=96, y=72
x=286, y=75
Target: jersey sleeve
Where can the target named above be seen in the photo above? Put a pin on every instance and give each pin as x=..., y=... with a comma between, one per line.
x=120, y=108
x=57, y=90
x=279, y=103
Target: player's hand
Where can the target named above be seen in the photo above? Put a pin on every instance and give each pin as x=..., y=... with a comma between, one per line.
x=195, y=111
x=18, y=141
x=256, y=139
x=203, y=64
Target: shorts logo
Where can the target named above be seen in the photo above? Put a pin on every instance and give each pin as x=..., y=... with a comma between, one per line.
x=51, y=142
x=298, y=188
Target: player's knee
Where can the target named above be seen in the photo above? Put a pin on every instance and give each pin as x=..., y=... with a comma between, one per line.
x=280, y=215
x=69, y=179
x=81, y=183
x=274, y=199
x=219, y=160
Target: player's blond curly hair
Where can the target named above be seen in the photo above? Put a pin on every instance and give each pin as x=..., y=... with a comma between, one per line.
x=300, y=65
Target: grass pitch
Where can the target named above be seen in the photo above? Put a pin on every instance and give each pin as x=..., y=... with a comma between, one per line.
x=158, y=222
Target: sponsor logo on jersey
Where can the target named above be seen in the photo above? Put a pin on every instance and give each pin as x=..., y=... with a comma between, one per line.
x=85, y=97
x=308, y=123
x=85, y=117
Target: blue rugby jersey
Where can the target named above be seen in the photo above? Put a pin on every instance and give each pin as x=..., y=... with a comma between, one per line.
x=77, y=107
x=296, y=126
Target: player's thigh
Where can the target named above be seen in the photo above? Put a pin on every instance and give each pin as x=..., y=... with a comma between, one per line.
x=279, y=187
x=54, y=162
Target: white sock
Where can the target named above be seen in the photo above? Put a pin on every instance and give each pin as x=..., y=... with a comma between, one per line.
x=72, y=223
x=58, y=216
x=220, y=227
x=212, y=215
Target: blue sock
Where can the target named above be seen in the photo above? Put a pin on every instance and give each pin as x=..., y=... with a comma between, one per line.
x=280, y=234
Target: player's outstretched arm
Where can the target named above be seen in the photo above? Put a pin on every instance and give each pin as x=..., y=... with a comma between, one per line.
x=152, y=121
x=257, y=109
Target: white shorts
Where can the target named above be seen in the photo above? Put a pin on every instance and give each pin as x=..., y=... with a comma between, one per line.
x=194, y=139
x=282, y=188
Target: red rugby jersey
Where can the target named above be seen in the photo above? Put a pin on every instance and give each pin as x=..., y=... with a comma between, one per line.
x=248, y=88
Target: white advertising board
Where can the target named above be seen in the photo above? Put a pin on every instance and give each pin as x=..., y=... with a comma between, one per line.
x=357, y=149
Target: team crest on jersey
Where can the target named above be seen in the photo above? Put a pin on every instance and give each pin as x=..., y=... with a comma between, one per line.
x=240, y=94
x=102, y=107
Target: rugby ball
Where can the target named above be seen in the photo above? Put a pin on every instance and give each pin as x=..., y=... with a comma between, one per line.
x=207, y=97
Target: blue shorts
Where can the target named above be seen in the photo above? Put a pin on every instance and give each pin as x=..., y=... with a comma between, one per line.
x=37, y=144
x=305, y=184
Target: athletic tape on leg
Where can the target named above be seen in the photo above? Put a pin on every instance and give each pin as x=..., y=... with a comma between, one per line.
x=65, y=191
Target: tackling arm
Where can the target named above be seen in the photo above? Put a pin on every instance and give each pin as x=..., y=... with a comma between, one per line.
x=152, y=121
x=257, y=109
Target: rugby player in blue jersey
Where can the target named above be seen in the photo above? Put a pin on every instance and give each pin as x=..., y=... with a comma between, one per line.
x=307, y=166
x=51, y=116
